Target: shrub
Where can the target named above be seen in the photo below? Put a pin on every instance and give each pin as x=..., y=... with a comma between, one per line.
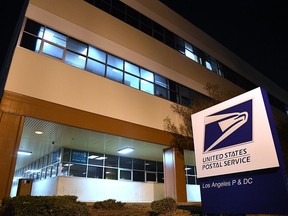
x=108, y=204
x=44, y=205
x=164, y=205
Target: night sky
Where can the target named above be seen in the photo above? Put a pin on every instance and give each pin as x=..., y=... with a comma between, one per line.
x=255, y=30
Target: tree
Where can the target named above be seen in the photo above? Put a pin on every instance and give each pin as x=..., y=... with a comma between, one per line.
x=182, y=135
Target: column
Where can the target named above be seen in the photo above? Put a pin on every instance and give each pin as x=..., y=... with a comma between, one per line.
x=10, y=134
x=174, y=174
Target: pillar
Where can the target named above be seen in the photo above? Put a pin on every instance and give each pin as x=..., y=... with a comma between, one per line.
x=174, y=174
x=10, y=134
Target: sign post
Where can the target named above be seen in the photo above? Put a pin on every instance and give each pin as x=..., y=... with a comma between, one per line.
x=239, y=162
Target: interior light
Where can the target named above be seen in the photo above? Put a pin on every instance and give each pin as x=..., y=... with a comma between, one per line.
x=101, y=158
x=39, y=132
x=125, y=150
x=22, y=152
x=93, y=156
x=188, y=168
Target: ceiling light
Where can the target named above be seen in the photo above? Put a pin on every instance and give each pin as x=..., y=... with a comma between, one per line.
x=22, y=152
x=125, y=150
x=101, y=158
x=39, y=132
x=93, y=156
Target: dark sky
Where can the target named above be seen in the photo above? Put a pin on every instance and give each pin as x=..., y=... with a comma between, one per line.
x=255, y=30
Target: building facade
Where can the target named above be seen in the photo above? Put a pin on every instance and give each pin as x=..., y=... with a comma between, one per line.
x=94, y=77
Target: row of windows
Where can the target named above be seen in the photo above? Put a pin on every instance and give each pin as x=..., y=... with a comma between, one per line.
x=132, y=17
x=78, y=163
x=42, y=39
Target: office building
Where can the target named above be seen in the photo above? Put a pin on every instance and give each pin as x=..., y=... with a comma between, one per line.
x=91, y=78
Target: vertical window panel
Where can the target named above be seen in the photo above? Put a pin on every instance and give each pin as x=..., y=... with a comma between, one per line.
x=97, y=54
x=131, y=81
x=131, y=68
x=115, y=62
x=114, y=74
x=75, y=60
x=95, y=67
x=147, y=87
x=53, y=51
x=55, y=37
x=147, y=75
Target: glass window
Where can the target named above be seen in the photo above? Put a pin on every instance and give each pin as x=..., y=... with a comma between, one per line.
x=190, y=170
x=34, y=28
x=191, y=55
x=78, y=156
x=138, y=164
x=208, y=65
x=74, y=59
x=115, y=62
x=160, y=80
x=160, y=91
x=66, y=155
x=114, y=74
x=78, y=170
x=151, y=177
x=77, y=46
x=30, y=42
x=56, y=156
x=131, y=81
x=95, y=67
x=55, y=37
x=173, y=96
x=191, y=180
x=147, y=87
x=150, y=165
x=111, y=161
x=159, y=166
x=97, y=54
x=95, y=158
x=139, y=176
x=184, y=91
x=48, y=171
x=188, y=46
x=64, y=170
x=160, y=177
x=147, y=75
x=95, y=172
x=125, y=174
x=125, y=162
x=52, y=50
x=111, y=173
x=54, y=170
x=132, y=69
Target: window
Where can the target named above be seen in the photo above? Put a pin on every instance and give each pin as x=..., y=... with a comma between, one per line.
x=110, y=173
x=150, y=165
x=95, y=172
x=125, y=163
x=55, y=37
x=95, y=158
x=52, y=50
x=78, y=170
x=151, y=176
x=95, y=67
x=147, y=75
x=131, y=81
x=114, y=74
x=77, y=46
x=131, y=68
x=125, y=174
x=138, y=164
x=139, y=176
x=115, y=62
x=97, y=54
x=147, y=87
x=111, y=161
x=74, y=59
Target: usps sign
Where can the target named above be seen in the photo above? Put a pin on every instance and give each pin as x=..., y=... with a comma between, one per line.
x=229, y=136
x=240, y=166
